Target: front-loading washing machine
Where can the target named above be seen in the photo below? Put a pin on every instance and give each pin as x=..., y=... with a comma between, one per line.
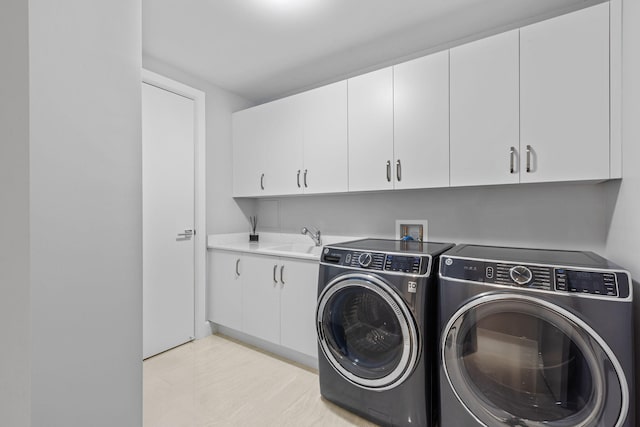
x=376, y=326
x=535, y=338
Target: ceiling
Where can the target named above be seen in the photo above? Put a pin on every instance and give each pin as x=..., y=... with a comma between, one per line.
x=265, y=49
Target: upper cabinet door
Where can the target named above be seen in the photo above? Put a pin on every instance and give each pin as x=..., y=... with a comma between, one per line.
x=484, y=111
x=283, y=145
x=325, y=168
x=421, y=122
x=565, y=97
x=371, y=131
x=248, y=152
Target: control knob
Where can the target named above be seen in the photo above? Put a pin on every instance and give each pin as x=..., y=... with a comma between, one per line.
x=520, y=274
x=365, y=259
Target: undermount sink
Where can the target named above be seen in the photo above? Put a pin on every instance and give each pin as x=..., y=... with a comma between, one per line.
x=298, y=248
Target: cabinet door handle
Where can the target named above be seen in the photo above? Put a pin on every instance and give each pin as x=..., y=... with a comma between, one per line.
x=305, y=178
x=298, y=178
x=398, y=170
x=529, y=158
x=237, y=267
x=275, y=267
x=512, y=155
x=262, y=182
x=281, y=276
x=388, y=170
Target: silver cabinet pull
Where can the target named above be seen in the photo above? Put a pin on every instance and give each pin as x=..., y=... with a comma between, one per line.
x=281, y=276
x=529, y=158
x=398, y=170
x=305, y=178
x=262, y=182
x=388, y=170
x=298, y=178
x=512, y=153
x=237, y=267
x=187, y=234
x=275, y=267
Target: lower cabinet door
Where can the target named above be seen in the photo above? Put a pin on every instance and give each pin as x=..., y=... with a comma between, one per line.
x=224, y=290
x=261, y=297
x=298, y=306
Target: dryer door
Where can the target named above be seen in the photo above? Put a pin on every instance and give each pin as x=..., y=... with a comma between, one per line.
x=515, y=360
x=367, y=332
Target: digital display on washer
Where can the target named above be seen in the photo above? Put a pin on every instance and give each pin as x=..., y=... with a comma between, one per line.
x=589, y=282
x=406, y=264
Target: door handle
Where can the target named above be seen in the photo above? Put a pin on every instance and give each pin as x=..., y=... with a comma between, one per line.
x=529, y=158
x=281, y=276
x=187, y=234
x=388, y=170
x=275, y=267
x=305, y=178
x=237, y=269
x=262, y=182
x=298, y=178
x=398, y=170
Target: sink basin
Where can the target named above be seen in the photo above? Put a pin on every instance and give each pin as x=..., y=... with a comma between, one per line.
x=303, y=248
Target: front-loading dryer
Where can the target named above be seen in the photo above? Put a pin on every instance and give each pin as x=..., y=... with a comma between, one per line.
x=535, y=338
x=376, y=325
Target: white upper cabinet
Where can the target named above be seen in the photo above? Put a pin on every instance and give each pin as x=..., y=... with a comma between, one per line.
x=484, y=111
x=267, y=148
x=247, y=152
x=529, y=105
x=293, y=145
x=564, y=65
x=283, y=149
x=371, y=131
x=421, y=122
x=324, y=168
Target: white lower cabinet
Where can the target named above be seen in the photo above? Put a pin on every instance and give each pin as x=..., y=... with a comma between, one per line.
x=268, y=297
x=261, y=297
x=298, y=299
x=224, y=290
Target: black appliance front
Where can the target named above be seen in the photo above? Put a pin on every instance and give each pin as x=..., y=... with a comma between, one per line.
x=537, y=345
x=367, y=332
x=376, y=332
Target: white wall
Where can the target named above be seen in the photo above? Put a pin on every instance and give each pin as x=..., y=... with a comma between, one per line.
x=623, y=242
x=224, y=214
x=544, y=216
x=85, y=213
x=14, y=214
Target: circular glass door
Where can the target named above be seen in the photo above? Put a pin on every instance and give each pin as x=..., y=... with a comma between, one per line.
x=514, y=360
x=367, y=332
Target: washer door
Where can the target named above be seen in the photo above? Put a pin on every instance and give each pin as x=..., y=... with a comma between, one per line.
x=514, y=360
x=367, y=332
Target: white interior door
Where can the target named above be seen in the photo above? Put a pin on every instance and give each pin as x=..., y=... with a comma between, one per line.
x=168, y=216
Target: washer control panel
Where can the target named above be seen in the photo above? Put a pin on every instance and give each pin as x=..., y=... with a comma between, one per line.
x=586, y=282
x=378, y=261
x=546, y=278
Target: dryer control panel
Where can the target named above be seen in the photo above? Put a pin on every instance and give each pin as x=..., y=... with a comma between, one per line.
x=377, y=261
x=540, y=277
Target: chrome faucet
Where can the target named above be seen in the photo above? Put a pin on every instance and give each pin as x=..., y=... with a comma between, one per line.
x=315, y=237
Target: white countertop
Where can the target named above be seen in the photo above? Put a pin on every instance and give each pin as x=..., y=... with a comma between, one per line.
x=279, y=244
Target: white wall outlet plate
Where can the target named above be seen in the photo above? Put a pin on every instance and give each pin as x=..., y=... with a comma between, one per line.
x=411, y=229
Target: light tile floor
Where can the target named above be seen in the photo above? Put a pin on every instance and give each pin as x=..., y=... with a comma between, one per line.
x=217, y=381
